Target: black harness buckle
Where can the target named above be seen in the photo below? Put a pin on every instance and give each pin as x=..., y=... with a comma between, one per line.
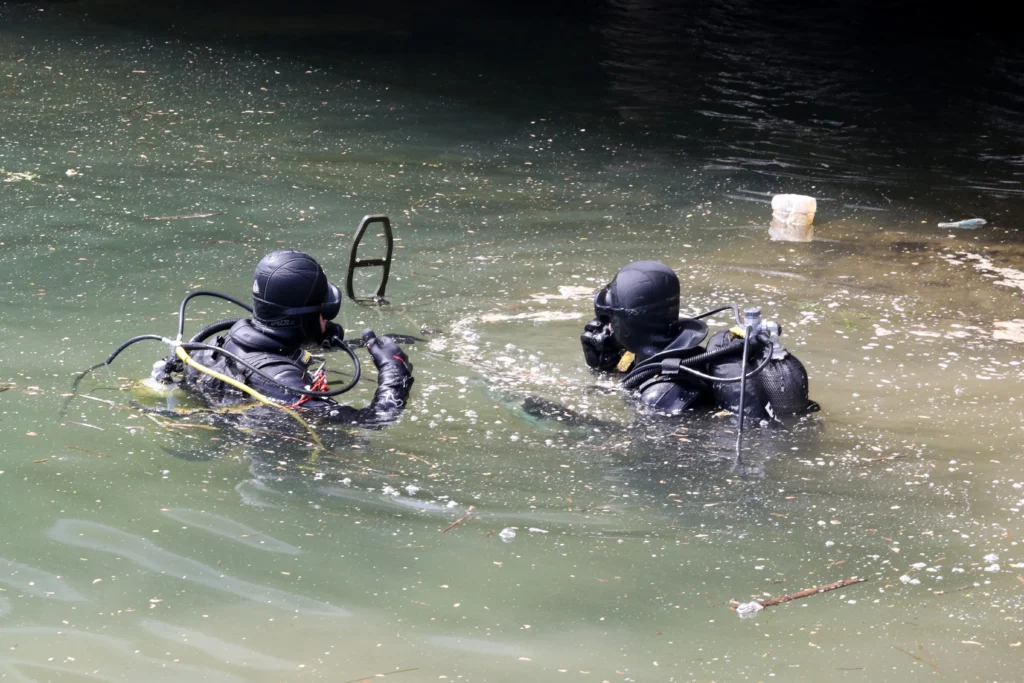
x=384, y=264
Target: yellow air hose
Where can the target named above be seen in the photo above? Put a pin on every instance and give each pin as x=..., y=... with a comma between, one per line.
x=181, y=353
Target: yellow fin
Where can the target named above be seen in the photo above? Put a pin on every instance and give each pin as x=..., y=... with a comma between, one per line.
x=626, y=362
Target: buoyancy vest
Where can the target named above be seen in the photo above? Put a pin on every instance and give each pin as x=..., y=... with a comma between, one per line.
x=263, y=350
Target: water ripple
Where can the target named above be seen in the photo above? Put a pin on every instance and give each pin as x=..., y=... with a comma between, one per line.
x=144, y=553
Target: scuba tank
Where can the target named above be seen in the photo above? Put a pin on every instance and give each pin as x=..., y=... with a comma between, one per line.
x=779, y=388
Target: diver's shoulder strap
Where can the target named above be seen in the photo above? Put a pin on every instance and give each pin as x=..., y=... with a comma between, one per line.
x=261, y=351
x=691, y=333
x=300, y=360
x=250, y=339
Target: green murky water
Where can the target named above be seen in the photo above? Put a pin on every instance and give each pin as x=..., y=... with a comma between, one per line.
x=140, y=548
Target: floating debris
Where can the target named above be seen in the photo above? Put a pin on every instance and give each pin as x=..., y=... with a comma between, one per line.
x=862, y=207
x=460, y=520
x=792, y=218
x=1009, y=330
x=1011, y=277
x=968, y=224
x=184, y=217
x=748, y=609
x=16, y=176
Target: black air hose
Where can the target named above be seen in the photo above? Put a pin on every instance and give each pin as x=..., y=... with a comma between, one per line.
x=647, y=371
x=194, y=343
x=219, y=326
x=652, y=366
x=735, y=345
x=728, y=307
x=196, y=346
x=216, y=295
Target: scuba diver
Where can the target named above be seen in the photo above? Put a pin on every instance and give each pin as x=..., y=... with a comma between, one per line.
x=637, y=331
x=294, y=305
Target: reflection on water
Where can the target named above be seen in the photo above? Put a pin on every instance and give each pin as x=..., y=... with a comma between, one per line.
x=144, y=553
x=72, y=654
x=179, y=547
x=231, y=530
x=32, y=581
x=247, y=496
x=478, y=646
x=224, y=651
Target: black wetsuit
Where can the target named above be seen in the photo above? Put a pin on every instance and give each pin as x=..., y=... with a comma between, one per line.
x=279, y=357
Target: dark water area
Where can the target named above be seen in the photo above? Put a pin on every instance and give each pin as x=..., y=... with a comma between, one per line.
x=880, y=101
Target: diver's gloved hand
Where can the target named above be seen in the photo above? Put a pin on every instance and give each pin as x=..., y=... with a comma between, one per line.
x=333, y=334
x=600, y=348
x=385, y=352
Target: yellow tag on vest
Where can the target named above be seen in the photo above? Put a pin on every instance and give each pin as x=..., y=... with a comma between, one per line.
x=737, y=331
x=306, y=357
x=626, y=362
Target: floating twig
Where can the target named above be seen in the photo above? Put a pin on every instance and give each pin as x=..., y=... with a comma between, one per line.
x=460, y=520
x=885, y=457
x=268, y=432
x=749, y=609
x=184, y=217
x=925, y=657
x=84, y=424
x=91, y=398
x=184, y=425
x=366, y=678
x=957, y=590
x=807, y=592
x=86, y=450
x=177, y=425
x=416, y=457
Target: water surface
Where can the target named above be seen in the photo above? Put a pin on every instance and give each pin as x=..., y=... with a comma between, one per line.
x=142, y=547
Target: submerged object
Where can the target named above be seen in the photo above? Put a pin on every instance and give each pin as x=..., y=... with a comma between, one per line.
x=793, y=218
x=967, y=224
